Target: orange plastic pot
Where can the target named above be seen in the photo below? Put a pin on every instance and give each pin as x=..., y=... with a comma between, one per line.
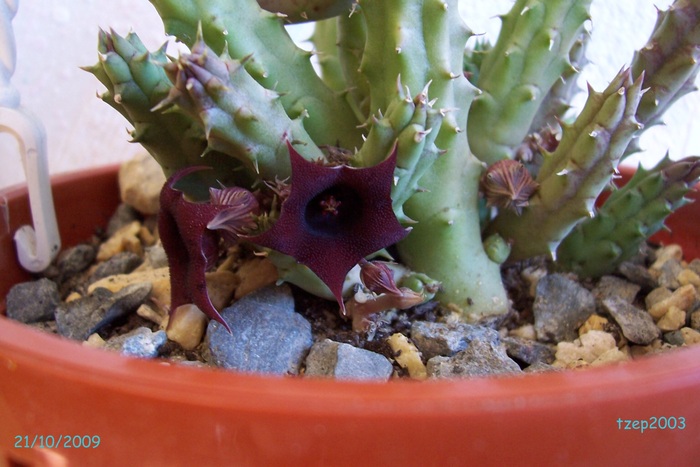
x=63, y=398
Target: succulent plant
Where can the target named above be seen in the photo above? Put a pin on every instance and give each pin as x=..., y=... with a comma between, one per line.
x=405, y=144
x=629, y=216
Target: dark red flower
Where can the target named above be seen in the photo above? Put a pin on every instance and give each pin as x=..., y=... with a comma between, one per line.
x=190, y=243
x=334, y=217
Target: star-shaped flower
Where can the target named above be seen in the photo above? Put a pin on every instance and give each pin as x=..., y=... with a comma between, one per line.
x=334, y=217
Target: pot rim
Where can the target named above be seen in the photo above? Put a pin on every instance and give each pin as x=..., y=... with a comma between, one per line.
x=28, y=349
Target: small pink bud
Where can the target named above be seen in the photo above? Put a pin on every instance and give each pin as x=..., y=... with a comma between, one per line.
x=378, y=278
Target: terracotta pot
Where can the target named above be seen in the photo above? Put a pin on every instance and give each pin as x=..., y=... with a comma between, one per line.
x=153, y=413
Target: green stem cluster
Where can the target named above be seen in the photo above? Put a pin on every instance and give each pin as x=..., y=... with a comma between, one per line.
x=628, y=217
x=530, y=56
x=574, y=175
x=392, y=78
x=246, y=30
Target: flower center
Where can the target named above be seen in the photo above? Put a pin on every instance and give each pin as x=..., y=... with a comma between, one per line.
x=330, y=205
x=333, y=210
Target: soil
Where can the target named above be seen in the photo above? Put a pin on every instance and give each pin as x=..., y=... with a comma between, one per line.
x=326, y=323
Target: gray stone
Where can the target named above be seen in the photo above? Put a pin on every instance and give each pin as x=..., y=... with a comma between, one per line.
x=695, y=320
x=121, y=263
x=637, y=274
x=76, y=259
x=528, y=351
x=75, y=319
x=123, y=215
x=267, y=335
x=561, y=306
x=434, y=339
x=440, y=339
x=34, y=301
x=612, y=286
x=674, y=338
x=480, y=358
x=144, y=343
x=636, y=324
x=156, y=257
x=123, y=302
x=540, y=367
x=80, y=318
x=344, y=361
x=669, y=273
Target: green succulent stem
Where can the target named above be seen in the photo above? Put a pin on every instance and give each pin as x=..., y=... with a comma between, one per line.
x=670, y=61
x=557, y=101
x=351, y=40
x=245, y=29
x=299, y=11
x=240, y=117
x=530, y=56
x=136, y=82
x=572, y=177
x=325, y=44
x=422, y=43
x=628, y=217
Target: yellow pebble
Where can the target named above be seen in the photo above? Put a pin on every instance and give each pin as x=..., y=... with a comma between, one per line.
x=123, y=239
x=593, y=323
x=73, y=296
x=690, y=336
x=407, y=356
x=187, y=326
x=253, y=275
x=666, y=253
x=147, y=238
x=526, y=331
x=610, y=356
x=95, y=341
x=587, y=349
x=682, y=298
x=673, y=320
x=160, y=278
x=688, y=276
x=220, y=286
x=154, y=314
x=656, y=296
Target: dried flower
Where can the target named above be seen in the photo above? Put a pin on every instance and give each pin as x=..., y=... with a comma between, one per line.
x=280, y=188
x=238, y=216
x=508, y=184
x=535, y=144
